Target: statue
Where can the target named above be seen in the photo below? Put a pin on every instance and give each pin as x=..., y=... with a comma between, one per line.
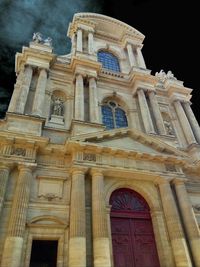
x=170, y=75
x=57, y=107
x=168, y=128
x=162, y=76
x=38, y=38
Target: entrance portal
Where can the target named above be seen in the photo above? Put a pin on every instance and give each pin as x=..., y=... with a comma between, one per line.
x=132, y=232
x=44, y=253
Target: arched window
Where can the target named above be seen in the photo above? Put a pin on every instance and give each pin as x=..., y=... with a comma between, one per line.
x=113, y=116
x=108, y=60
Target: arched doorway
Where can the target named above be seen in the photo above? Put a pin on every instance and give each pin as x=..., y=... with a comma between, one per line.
x=132, y=231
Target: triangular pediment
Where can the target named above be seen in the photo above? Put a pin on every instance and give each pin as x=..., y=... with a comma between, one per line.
x=129, y=140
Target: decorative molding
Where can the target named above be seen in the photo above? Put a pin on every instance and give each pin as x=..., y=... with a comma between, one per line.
x=196, y=207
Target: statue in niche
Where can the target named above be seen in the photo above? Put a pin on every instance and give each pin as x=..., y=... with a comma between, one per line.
x=57, y=107
x=168, y=127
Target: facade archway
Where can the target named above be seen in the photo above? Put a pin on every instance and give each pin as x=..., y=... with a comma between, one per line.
x=133, y=238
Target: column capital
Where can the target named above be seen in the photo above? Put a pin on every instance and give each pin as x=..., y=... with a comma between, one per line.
x=162, y=180
x=26, y=167
x=78, y=170
x=6, y=166
x=178, y=181
x=96, y=172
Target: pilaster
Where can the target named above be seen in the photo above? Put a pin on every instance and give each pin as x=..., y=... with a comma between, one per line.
x=176, y=234
x=77, y=240
x=189, y=220
x=93, y=100
x=184, y=122
x=99, y=221
x=79, y=98
x=4, y=175
x=156, y=112
x=22, y=98
x=145, y=112
x=14, y=241
x=38, y=102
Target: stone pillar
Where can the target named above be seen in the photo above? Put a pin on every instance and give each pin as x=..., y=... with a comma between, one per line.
x=26, y=82
x=14, y=241
x=189, y=220
x=192, y=119
x=77, y=239
x=90, y=43
x=38, y=102
x=79, y=45
x=176, y=234
x=156, y=112
x=131, y=55
x=184, y=123
x=4, y=175
x=101, y=249
x=79, y=98
x=146, y=116
x=93, y=100
x=140, y=58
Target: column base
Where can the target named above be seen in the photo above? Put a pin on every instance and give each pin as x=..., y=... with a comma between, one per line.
x=12, y=252
x=77, y=252
x=181, y=254
x=195, y=245
x=101, y=252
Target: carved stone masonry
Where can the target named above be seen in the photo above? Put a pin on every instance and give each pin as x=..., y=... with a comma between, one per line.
x=18, y=151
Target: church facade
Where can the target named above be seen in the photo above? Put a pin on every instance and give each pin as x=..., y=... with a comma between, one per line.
x=100, y=159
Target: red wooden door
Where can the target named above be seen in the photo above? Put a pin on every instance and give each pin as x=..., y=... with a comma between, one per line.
x=132, y=232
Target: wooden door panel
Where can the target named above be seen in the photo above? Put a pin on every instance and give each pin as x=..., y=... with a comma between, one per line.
x=122, y=242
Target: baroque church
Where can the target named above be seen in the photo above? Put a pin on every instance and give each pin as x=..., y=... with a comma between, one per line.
x=100, y=159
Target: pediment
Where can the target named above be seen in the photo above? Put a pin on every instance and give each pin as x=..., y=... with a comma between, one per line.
x=130, y=140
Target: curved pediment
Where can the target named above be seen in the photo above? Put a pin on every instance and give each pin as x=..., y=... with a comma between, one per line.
x=47, y=220
x=104, y=24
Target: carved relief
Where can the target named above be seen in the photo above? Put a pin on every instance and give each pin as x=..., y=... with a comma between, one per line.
x=89, y=157
x=170, y=167
x=18, y=151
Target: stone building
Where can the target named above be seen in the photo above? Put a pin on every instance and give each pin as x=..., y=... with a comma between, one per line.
x=99, y=158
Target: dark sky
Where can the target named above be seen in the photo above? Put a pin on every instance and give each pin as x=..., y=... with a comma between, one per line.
x=171, y=33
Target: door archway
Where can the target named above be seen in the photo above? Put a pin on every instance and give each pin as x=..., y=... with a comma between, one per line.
x=133, y=239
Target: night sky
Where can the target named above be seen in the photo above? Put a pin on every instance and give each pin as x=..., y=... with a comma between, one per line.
x=170, y=44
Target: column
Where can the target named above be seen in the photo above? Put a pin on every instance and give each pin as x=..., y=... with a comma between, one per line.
x=146, y=116
x=93, y=100
x=140, y=58
x=176, y=234
x=192, y=119
x=14, y=241
x=77, y=239
x=90, y=43
x=16, y=92
x=101, y=247
x=79, y=98
x=131, y=55
x=189, y=220
x=184, y=123
x=4, y=175
x=156, y=112
x=79, y=46
x=38, y=102
x=26, y=82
